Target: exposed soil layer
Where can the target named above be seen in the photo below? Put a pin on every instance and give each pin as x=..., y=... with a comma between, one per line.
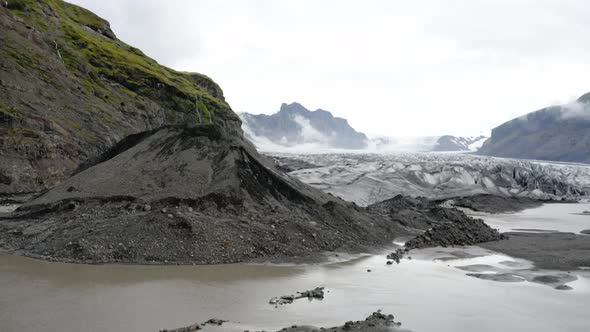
x=287, y=164
x=560, y=251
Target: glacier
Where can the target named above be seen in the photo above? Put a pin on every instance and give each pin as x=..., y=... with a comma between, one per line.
x=369, y=178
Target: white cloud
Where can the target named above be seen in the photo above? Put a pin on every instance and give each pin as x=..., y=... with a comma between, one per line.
x=576, y=110
x=396, y=68
x=308, y=133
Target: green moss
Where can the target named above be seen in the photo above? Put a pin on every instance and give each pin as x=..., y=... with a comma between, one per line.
x=128, y=67
x=81, y=15
x=91, y=52
x=207, y=114
x=29, y=11
x=25, y=60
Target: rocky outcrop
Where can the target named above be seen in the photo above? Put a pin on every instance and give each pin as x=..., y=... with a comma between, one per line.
x=294, y=125
x=460, y=232
x=70, y=90
x=316, y=293
x=376, y=322
x=559, y=133
x=198, y=326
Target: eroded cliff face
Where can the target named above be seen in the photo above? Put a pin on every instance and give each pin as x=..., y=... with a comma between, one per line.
x=70, y=90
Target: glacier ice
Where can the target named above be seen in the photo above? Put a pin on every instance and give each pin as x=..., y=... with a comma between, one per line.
x=370, y=178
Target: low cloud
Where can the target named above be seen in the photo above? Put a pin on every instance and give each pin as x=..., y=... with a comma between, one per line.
x=315, y=142
x=309, y=134
x=576, y=110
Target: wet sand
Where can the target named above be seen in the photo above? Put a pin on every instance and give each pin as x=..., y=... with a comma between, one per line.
x=561, y=251
x=560, y=217
x=552, y=236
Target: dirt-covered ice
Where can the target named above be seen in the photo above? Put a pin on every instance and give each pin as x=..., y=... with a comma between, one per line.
x=369, y=178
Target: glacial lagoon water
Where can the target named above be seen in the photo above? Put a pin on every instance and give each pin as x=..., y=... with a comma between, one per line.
x=561, y=217
x=427, y=293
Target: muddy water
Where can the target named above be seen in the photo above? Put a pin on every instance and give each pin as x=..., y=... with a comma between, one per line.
x=427, y=293
x=548, y=217
x=424, y=293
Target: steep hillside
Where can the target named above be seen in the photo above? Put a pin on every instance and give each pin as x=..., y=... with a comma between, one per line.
x=560, y=133
x=294, y=124
x=69, y=90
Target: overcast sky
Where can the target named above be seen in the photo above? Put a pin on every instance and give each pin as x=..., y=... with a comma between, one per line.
x=397, y=68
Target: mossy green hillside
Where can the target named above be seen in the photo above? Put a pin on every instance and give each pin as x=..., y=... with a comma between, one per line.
x=87, y=45
x=70, y=89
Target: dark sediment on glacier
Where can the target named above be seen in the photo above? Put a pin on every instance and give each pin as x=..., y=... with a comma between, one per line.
x=497, y=204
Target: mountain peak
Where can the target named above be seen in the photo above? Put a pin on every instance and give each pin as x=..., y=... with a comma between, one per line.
x=294, y=124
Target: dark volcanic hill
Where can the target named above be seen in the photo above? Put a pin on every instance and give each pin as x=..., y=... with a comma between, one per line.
x=294, y=124
x=560, y=133
x=189, y=195
x=196, y=194
x=69, y=90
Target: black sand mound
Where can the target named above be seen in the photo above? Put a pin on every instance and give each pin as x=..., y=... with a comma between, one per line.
x=187, y=195
x=461, y=232
x=197, y=195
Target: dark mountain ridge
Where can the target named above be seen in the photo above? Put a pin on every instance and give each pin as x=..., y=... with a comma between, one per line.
x=294, y=124
x=557, y=133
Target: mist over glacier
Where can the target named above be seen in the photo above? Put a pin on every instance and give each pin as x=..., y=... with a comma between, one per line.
x=315, y=142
